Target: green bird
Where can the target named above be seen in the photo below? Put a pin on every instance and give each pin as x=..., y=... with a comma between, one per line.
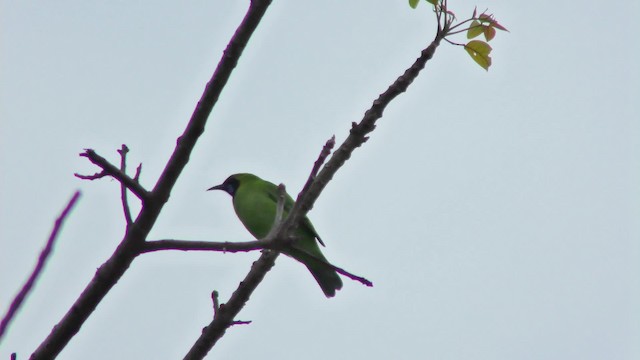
x=255, y=201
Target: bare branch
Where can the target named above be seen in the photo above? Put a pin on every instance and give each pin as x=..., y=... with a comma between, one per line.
x=326, y=151
x=123, y=189
x=216, y=306
x=112, y=270
x=216, y=302
x=136, y=177
x=109, y=170
x=185, y=245
x=358, y=134
x=241, y=322
x=226, y=313
x=42, y=260
x=95, y=176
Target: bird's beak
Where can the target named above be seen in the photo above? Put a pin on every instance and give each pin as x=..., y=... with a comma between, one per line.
x=217, y=187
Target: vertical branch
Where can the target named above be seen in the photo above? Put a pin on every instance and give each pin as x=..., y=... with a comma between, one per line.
x=123, y=189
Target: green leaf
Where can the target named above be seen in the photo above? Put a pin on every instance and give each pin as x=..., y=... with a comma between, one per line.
x=479, y=52
x=433, y=2
x=413, y=3
x=475, y=29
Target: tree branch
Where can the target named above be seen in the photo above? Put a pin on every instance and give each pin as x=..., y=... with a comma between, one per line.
x=42, y=260
x=358, y=134
x=109, y=169
x=277, y=237
x=224, y=317
x=315, y=184
x=226, y=313
x=186, y=245
x=112, y=270
x=123, y=189
x=326, y=151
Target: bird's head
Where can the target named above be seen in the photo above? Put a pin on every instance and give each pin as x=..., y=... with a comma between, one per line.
x=230, y=186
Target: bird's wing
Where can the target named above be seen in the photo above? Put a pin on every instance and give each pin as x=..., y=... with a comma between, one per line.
x=288, y=205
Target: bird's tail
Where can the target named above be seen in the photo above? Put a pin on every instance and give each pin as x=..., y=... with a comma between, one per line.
x=325, y=275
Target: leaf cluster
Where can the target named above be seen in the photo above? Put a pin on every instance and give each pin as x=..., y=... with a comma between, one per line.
x=478, y=24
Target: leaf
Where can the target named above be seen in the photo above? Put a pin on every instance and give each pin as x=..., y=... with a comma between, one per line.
x=489, y=32
x=475, y=29
x=496, y=25
x=413, y=3
x=489, y=19
x=479, y=52
x=484, y=18
x=433, y=2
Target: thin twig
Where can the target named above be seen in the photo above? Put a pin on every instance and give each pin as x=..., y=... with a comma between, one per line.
x=227, y=312
x=241, y=322
x=109, y=170
x=324, y=153
x=136, y=177
x=215, y=301
x=42, y=260
x=123, y=189
x=96, y=176
x=216, y=307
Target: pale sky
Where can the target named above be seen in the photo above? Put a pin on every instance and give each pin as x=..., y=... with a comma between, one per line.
x=497, y=213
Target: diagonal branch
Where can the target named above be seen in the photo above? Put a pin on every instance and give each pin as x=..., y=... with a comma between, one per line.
x=131, y=245
x=358, y=133
x=357, y=136
x=109, y=169
x=326, y=151
x=42, y=260
x=225, y=316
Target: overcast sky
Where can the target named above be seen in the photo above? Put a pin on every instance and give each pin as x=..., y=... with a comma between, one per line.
x=497, y=213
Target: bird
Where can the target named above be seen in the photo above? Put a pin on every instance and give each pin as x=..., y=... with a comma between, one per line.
x=255, y=201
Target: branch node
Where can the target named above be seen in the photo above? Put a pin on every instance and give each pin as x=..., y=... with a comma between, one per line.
x=136, y=177
x=109, y=169
x=123, y=188
x=240, y=322
x=216, y=302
